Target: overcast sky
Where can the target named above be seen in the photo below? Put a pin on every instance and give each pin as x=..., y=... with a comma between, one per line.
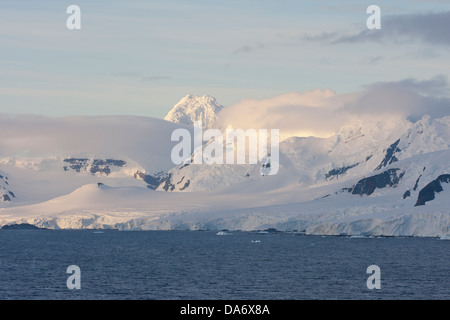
x=141, y=57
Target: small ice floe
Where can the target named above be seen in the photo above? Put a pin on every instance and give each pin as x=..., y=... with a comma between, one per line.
x=445, y=237
x=361, y=237
x=223, y=233
x=256, y=241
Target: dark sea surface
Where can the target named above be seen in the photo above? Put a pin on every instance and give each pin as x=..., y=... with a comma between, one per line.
x=200, y=265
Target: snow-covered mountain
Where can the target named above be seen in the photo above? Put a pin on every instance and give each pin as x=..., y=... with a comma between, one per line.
x=195, y=108
x=369, y=178
x=351, y=153
x=6, y=195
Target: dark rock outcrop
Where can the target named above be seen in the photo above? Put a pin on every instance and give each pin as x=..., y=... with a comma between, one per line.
x=335, y=173
x=152, y=181
x=390, y=157
x=388, y=178
x=417, y=183
x=407, y=194
x=185, y=185
x=92, y=166
x=103, y=166
x=366, y=186
x=167, y=184
x=76, y=164
x=429, y=191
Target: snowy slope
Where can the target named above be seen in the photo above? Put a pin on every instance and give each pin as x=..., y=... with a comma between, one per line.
x=253, y=206
x=384, y=212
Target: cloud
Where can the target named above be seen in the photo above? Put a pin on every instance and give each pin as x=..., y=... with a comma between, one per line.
x=436, y=86
x=322, y=112
x=94, y=136
x=410, y=98
x=301, y=114
x=429, y=28
x=249, y=48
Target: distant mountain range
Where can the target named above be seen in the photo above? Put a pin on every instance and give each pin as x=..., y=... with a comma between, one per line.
x=387, y=178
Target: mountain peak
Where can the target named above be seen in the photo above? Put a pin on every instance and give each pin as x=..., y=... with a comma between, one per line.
x=195, y=108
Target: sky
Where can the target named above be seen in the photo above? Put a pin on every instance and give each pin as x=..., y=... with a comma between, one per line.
x=141, y=57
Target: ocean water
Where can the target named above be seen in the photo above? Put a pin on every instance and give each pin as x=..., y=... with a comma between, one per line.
x=168, y=265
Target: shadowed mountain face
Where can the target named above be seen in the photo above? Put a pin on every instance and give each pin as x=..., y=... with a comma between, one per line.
x=367, y=186
x=429, y=191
